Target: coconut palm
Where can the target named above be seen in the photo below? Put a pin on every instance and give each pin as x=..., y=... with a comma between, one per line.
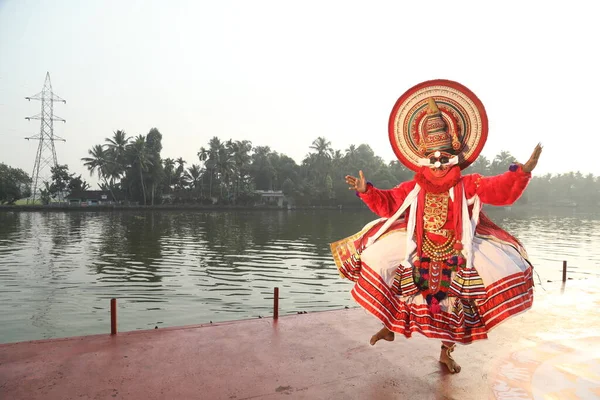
x=318, y=164
x=116, y=148
x=501, y=162
x=140, y=158
x=169, y=168
x=117, y=145
x=322, y=146
x=180, y=180
x=226, y=165
x=193, y=175
x=480, y=166
x=99, y=163
x=210, y=157
x=351, y=151
x=241, y=160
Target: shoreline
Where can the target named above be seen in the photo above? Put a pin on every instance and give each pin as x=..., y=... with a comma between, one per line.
x=169, y=207
x=202, y=207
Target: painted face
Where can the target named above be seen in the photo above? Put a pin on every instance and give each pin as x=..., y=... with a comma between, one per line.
x=442, y=178
x=439, y=164
x=440, y=171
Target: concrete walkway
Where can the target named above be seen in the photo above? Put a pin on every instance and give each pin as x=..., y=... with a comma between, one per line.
x=550, y=352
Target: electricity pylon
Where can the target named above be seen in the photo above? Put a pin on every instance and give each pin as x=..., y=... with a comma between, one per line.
x=46, y=153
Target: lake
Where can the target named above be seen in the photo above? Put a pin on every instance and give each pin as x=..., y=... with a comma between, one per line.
x=58, y=270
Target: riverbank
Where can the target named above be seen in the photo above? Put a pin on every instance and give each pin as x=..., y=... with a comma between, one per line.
x=550, y=351
x=201, y=207
x=65, y=207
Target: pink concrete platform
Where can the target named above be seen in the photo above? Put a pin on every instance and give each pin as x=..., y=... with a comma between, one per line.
x=550, y=352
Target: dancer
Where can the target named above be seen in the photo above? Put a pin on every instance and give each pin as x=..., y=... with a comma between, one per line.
x=434, y=263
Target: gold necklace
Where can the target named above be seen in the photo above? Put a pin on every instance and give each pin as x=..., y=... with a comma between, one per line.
x=438, y=252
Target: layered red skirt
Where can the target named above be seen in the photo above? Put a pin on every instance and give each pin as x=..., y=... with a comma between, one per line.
x=499, y=286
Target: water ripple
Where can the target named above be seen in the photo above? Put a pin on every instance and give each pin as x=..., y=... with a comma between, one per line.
x=60, y=270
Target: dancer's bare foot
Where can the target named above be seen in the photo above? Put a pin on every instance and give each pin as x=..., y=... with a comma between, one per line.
x=446, y=358
x=384, y=334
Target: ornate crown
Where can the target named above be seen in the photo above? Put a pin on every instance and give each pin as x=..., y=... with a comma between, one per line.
x=437, y=116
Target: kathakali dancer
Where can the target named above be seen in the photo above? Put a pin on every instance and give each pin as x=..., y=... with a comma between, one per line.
x=434, y=263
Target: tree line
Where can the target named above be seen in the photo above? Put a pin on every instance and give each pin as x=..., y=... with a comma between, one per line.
x=230, y=172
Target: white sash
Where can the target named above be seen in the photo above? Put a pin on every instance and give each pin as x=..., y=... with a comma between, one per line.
x=468, y=224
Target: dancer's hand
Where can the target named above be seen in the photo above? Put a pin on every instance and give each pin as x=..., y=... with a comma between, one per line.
x=359, y=184
x=533, y=160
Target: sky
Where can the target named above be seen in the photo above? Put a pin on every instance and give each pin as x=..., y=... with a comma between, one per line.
x=282, y=73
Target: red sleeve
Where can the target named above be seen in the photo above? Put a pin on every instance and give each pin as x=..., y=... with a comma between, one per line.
x=386, y=202
x=499, y=190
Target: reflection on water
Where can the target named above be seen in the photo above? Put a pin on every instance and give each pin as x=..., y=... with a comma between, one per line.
x=59, y=270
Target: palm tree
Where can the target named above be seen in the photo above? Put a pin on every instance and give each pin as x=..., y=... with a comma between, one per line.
x=501, y=163
x=204, y=155
x=169, y=166
x=226, y=165
x=351, y=151
x=318, y=164
x=322, y=146
x=210, y=157
x=241, y=159
x=118, y=145
x=116, y=150
x=480, y=166
x=193, y=176
x=100, y=163
x=215, y=146
x=180, y=173
x=337, y=159
x=140, y=158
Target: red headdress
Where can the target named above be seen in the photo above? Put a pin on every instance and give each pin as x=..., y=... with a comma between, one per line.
x=438, y=116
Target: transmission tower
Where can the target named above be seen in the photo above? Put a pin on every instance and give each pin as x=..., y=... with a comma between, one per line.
x=46, y=153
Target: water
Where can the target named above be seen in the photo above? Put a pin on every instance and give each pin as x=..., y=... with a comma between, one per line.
x=59, y=270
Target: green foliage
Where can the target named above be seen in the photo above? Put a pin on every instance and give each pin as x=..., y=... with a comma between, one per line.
x=65, y=183
x=229, y=172
x=288, y=187
x=129, y=165
x=14, y=184
x=571, y=189
x=497, y=166
x=77, y=184
x=156, y=173
x=45, y=194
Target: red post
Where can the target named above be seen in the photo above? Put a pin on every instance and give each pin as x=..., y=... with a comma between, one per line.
x=564, y=271
x=276, y=303
x=113, y=316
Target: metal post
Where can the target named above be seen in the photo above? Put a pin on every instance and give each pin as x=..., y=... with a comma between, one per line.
x=113, y=316
x=564, y=271
x=276, y=303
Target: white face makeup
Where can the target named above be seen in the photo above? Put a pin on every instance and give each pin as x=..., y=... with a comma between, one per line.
x=438, y=159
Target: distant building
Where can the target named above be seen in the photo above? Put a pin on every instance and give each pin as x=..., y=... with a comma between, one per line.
x=272, y=197
x=90, y=198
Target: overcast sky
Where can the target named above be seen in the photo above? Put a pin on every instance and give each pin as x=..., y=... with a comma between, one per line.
x=281, y=73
